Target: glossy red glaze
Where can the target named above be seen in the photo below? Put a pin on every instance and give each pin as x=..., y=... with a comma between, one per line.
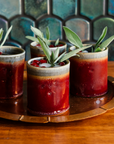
x=11, y=79
x=48, y=95
x=88, y=77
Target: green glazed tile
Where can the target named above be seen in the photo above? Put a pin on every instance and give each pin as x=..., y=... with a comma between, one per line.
x=64, y=8
x=80, y=27
x=11, y=43
x=21, y=28
x=35, y=8
x=111, y=7
x=111, y=52
x=99, y=24
x=55, y=27
x=28, y=53
x=10, y=8
x=92, y=8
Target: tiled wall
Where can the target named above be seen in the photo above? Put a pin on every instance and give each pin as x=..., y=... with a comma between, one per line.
x=86, y=17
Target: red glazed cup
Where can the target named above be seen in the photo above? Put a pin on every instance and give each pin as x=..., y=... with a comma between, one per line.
x=11, y=72
x=47, y=89
x=88, y=73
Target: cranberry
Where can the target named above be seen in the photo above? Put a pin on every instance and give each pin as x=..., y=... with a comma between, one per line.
x=0, y=53
x=43, y=61
x=34, y=64
x=60, y=45
x=51, y=45
x=38, y=45
x=36, y=61
x=61, y=63
x=43, y=67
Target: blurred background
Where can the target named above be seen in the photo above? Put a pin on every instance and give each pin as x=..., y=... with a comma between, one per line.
x=85, y=17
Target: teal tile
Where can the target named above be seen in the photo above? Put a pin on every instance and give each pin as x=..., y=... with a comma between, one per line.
x=111, y=7
x=80, y=26
x=64, y=8
x=28, y=52
x=10, y=8
x=92, y=8
x=99, y=24
x=21, y=28
x=11, y=43
x=35, y=8
x=111, y=52
x=55, y=27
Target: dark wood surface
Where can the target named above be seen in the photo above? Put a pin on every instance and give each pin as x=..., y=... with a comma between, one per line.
x=98, y=130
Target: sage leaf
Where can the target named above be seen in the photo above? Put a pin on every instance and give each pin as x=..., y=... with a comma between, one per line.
x=101, y=37
x=58, y=59
x=45, y=48
x=106, y=42
x=57, y=42
x=47, y=33
x=71, y=53
x=37, y=32
x=73, y=37
x=47, y=41
x=1, y=33
x=52, y=58
x=6, y=35
x=32, y=38
x=56, y=53
x=98, y=49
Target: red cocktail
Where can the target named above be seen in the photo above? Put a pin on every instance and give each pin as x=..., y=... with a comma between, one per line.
x=48, y=90
x=11, y=73
x=88, y=76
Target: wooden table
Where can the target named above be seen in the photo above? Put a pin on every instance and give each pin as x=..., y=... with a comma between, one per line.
x=97, y=130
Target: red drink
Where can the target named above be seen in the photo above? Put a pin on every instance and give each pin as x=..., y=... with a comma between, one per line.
x=47, y=89
x=48, y=95
x=88, y=77
x=11, y=79
x=11, y=72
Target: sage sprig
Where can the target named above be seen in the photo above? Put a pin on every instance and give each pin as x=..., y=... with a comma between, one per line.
x=1, y=35
x=54, y=57
x=37, y=31
x=99, y=46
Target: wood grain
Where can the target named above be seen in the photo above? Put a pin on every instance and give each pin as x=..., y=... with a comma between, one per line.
x=97, y=130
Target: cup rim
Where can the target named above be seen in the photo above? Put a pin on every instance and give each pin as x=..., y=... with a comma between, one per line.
x=54, y=48
x=50, y=68
x=12, y=47
x=88, y=53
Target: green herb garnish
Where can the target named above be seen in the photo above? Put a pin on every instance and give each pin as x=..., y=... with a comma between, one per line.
x=53, y=57
x=47, y=39
x=99, y=46
x=1, y=35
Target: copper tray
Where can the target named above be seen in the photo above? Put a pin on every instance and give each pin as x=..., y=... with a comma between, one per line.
x=80, y=108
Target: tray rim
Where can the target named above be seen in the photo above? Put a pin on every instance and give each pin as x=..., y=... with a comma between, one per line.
x=61, y=118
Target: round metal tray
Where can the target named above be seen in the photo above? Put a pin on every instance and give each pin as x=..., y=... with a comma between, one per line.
x=80, y=108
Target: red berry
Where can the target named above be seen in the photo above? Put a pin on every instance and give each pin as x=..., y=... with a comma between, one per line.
x=43, y=67
x=0, y=53
x=34, y=64
x=61, y=63
x=60, y=45
x=43, y=61
x=51, y=45
x=36, y=61
x=38, y=45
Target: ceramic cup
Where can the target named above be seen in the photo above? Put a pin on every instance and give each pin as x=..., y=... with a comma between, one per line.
x=88, y=73
x=11, y=72
x=36, y=51
x=47, y=89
